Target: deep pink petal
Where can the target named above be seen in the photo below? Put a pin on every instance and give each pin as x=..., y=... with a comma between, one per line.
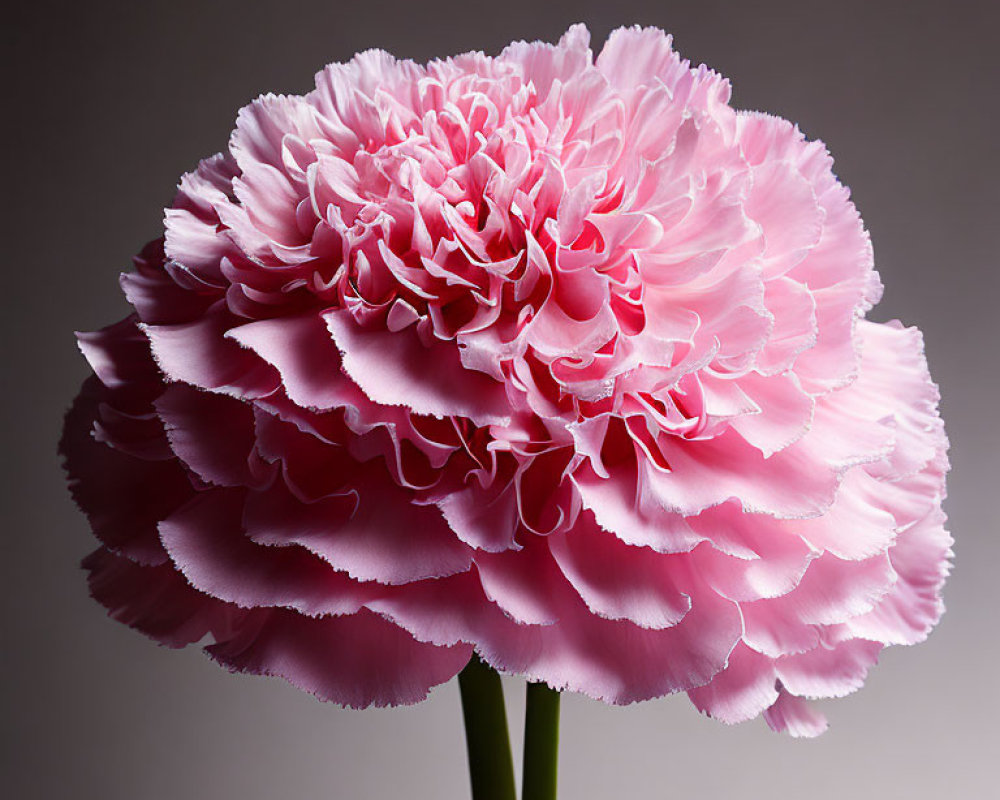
x=368, y=532
x=198, y=353
x=124, y=497
x=212, y=434
x=157, y=601
x=358, y=660
x=301, y=349
x=205, y=539
x=396, y=369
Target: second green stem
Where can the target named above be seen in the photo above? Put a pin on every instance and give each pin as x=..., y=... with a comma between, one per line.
x=541, y=743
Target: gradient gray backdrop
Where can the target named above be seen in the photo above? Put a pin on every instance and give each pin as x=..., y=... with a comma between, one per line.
x=106, y=104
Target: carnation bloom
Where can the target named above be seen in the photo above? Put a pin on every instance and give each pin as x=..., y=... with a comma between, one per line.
x=558, y=360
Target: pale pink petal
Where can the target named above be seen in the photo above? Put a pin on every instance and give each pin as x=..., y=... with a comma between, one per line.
x=742, y=691
x=616, y=504
x=769, y=631
x=192, y=238
x=913, y=606
x=783, y=203
x=525, y=583
x=795, y=482
x=544, y=64
x=771, y=563
x=634, y=57
x=831, y=591
x=620, y=581
x=616, y=661
x=785, y=414
x=828, y=672
x=894, y=377
x=793, y=308
x=794, y=716
x=855, y=527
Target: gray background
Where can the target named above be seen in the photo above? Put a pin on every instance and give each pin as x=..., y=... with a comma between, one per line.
x=105, y=105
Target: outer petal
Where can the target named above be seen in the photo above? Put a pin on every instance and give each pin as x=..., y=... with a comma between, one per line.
x=618, y=662
x=774, y=561
x=616, y=503
x=301, y=349
x=123, y=497
x=894, y=377
x=484, y=519
x=744, y=689
x=635, y=57
x=359, y=660
x=543, y=64
x=198, y=353
x=524, y=583
x=212, y=434
x=157, y=601
x=832, y=672
x=913, y=606
x=206, y=541
x=794, y=716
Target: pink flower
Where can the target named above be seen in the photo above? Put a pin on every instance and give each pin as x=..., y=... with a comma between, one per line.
x=558, y=360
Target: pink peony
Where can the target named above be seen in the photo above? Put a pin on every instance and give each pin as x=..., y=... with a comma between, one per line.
x=558, y=360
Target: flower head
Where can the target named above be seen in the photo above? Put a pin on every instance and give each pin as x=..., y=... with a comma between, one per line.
x=557, y=359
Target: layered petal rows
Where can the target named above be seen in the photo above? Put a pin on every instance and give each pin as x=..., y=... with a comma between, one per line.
x=559, y=360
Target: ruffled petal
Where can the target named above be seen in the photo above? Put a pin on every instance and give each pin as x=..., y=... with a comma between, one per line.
x=302, y=351
x=157, y=601
x=616, y=661
x=359, y=660
x=742, y=691
x=212, y=434
x=794, y=716
x=205, y=539
x=199, y=354
x=366, y=532
x=124, y=497
x=619, y=581
x=396, y=369
x=828, y=672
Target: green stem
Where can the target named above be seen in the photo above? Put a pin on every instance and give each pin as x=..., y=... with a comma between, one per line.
x=491, y=766
x=541, y=743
